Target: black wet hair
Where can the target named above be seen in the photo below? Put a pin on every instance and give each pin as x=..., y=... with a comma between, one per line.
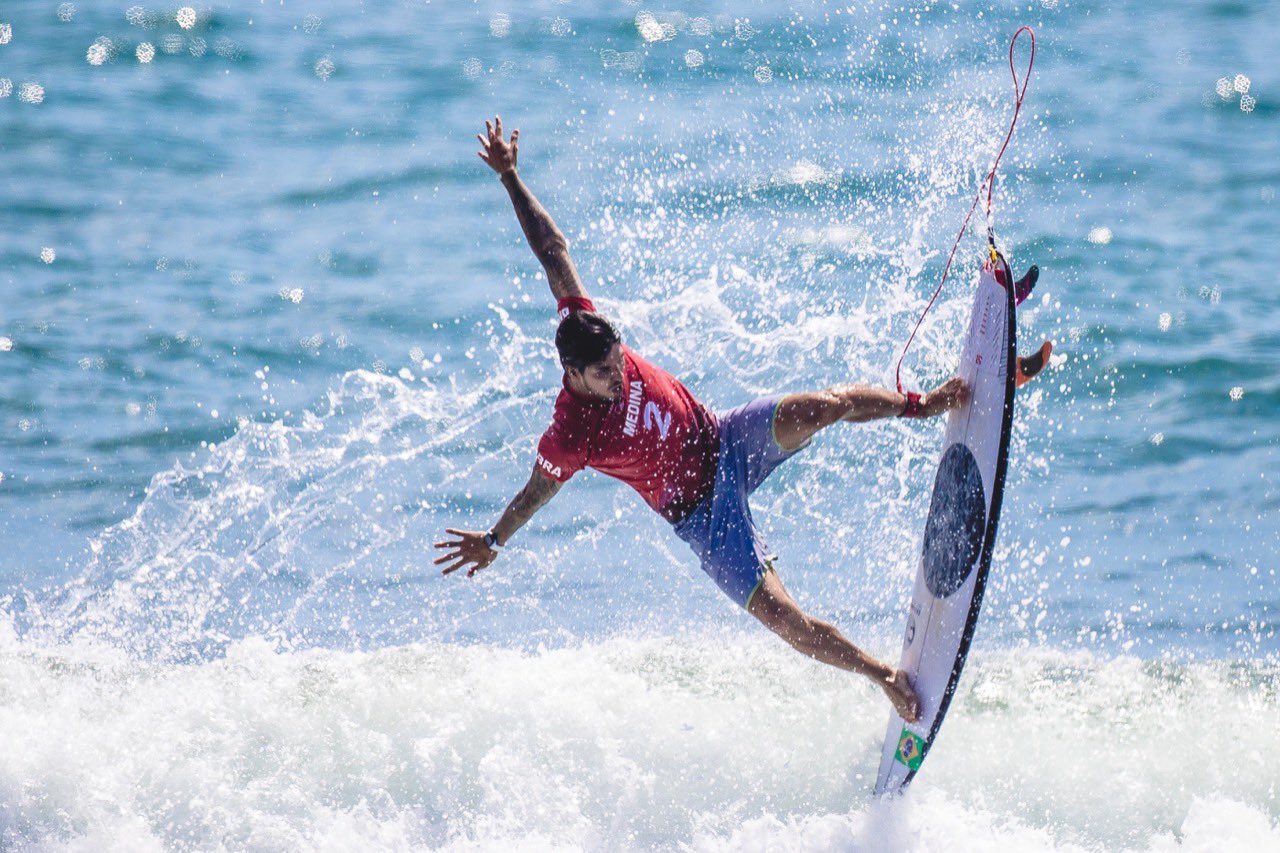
x=584, y=338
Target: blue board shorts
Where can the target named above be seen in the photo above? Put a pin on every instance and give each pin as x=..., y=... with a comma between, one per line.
x=720, y=530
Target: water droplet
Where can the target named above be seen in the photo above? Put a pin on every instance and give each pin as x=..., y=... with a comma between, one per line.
x=1247, y=103
x=325, y=68
x=1240, y=84
x=742, y=29
x=66, y=12
x=6, y=33
x=226, y=48
x=1236, y=393
x=146, y=52
x=6, y=344
x=693, y=58
x=311, y=24
x=500, y=25
x=48, y=255
x=136, y=15
x=804, y=171
x=97, y=52
x=1223, y=88
x=1157, y=439
x=1100, y=236
x=648, y=27
x=561, y=27
x=764, y=74
x=1166, y=320
x=700, y=27
x=186, y=17
x=198, y=47
x=292, y=294
x=472, y=68
x=6, y=87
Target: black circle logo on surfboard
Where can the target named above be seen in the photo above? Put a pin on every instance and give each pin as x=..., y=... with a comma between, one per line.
x=957, y=522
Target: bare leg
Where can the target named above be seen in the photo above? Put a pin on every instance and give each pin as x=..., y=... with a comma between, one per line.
x=799, y=416
x=773, y=606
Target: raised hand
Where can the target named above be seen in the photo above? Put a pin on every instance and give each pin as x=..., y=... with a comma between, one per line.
x=497, y=153
x=467, y=549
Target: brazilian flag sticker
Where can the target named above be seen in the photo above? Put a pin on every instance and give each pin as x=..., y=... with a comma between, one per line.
x=910, y=749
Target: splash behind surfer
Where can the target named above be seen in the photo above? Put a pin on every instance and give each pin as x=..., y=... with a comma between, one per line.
x=632, y=420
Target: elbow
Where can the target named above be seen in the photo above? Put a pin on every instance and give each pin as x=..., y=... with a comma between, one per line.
x=552, y=249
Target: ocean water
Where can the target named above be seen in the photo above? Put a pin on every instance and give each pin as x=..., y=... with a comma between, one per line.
x=269, y=326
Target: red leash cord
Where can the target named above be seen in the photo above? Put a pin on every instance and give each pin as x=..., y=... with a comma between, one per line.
x=1018, y=95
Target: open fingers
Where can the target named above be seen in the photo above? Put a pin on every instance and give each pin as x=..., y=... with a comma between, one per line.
x=483, y=142
x=497, y=125
x=458, y=562
x=475, y=564
x=515, y=140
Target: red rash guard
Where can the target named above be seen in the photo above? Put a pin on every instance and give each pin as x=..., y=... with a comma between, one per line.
x=658, y=438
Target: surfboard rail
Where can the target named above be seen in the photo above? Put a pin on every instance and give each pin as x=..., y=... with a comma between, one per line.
x=952, y=575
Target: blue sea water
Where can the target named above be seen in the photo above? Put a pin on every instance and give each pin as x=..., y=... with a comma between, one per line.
x=269, y=326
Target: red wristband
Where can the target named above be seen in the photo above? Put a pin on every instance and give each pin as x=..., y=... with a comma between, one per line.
x=566, y=305
x=912, y=407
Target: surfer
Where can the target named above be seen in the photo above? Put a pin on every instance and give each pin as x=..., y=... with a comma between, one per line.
x=632, y=420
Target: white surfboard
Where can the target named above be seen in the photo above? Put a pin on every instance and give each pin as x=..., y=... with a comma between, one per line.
x=961, y=529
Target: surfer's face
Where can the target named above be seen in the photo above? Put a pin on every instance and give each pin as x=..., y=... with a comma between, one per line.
x=603, y=380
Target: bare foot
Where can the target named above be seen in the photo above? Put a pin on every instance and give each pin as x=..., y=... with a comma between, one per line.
x=903, y=696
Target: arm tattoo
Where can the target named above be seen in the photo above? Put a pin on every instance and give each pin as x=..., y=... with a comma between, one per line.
x=546, y=240
x=534, y=495
x=530, y=499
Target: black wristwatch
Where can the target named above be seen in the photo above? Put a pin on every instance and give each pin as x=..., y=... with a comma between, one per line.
x=491, y=542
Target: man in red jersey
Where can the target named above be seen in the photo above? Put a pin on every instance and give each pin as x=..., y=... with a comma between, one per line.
x=634, y=421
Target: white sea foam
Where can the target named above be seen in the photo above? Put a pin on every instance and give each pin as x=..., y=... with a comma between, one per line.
x=715, y=743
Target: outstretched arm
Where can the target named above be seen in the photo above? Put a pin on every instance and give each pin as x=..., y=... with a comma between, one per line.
x=546, y=240
x=470, y=548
